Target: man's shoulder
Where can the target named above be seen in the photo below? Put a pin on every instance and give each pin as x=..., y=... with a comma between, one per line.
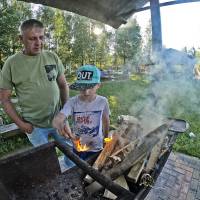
x=101, y=98
x=12, y=59
x=49, y=53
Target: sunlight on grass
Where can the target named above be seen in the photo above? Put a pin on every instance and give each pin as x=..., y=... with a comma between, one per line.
x=113, y=101
x=135, y=77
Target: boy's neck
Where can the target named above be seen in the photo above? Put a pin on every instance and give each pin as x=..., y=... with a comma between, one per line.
x=88, y=98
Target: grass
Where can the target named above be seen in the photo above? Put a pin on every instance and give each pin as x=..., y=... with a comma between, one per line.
x=13, y=144
x=127, y=95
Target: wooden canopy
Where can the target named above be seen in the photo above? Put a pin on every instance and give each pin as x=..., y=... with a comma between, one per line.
x=111, y=12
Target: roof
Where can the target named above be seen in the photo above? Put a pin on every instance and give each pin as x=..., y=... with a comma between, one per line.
x=111, y=12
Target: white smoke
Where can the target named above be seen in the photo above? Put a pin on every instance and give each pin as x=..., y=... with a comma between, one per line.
x=172, y=84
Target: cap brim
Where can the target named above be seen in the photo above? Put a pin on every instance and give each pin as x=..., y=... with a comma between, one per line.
x=82, y=86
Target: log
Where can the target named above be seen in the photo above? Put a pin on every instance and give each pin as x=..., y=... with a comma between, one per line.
x=155, y=153
x=148, y=142
x=133, y=128
x=136, y=170
x=119, y=169
x=119, y=155
x=107, y=150
x=122, y=182
x=102, y=179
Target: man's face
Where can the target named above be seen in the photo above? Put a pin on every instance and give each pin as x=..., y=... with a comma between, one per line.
x=32, y=39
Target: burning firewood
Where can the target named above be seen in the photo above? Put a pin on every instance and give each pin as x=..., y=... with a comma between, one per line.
x=120, y=154
x=136, y=155
x=79, y=147
x=107, y=150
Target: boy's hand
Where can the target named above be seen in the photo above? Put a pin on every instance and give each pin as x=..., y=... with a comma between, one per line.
x=66, y=132
x=62, y=126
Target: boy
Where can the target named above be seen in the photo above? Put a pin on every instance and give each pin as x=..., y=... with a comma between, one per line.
x=89, y=111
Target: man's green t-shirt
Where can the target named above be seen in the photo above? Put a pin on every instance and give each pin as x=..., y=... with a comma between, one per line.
x=35, y=81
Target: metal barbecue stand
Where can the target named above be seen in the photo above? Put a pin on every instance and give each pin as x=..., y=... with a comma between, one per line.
x=35, y=174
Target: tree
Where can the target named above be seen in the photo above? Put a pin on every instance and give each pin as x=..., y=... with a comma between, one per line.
x=80, y=40
x=62, y=35
x=147, y=47
x=11, y=15
x=46, y=15
x=128, y=41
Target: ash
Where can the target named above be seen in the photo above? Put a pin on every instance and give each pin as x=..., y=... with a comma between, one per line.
x=67, y=186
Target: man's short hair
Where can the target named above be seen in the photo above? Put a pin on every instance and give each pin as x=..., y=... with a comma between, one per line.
x=30, y=23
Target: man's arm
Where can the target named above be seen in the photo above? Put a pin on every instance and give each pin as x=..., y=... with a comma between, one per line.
x=11, y=112
x=106, y=124
x=64, y=88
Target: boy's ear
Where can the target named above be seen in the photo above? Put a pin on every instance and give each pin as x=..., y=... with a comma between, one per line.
x=20, y=38
x=99, y=85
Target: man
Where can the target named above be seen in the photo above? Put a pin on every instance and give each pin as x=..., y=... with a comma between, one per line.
x=38, y=79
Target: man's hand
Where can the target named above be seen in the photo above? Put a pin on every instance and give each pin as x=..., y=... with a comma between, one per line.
x=26, y=127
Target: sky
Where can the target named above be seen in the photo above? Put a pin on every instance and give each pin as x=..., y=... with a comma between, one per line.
x=180, y=25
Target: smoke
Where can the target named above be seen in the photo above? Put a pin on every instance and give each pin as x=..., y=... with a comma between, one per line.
x=172, y=92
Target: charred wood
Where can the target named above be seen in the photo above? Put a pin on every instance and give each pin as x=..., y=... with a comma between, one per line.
x=102, y=179
x=145, y=147
x=103, y=156
x=120, y=181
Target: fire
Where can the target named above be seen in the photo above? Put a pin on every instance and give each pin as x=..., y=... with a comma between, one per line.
x=107, y=139
x=79, y=146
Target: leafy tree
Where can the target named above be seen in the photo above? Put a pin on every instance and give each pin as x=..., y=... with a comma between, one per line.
x=128, y=41
x=147, y=47
x=46, y=15
x=62, y=35
x=11, y=15
x=80, y=40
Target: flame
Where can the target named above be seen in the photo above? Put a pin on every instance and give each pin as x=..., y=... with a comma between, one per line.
x=79, y=146
x=108, y=139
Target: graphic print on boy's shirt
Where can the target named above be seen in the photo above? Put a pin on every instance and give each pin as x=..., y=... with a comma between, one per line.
x=86, y=126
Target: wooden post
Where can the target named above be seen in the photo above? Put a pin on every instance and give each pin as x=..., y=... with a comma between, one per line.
x=156, y=26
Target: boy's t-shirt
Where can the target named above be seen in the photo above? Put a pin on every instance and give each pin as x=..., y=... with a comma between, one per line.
x=87, y=120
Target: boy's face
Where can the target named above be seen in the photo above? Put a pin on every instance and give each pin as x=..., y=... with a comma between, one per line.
x=89, y=92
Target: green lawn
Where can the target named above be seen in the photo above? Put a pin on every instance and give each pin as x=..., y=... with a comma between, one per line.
x=131, y=96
